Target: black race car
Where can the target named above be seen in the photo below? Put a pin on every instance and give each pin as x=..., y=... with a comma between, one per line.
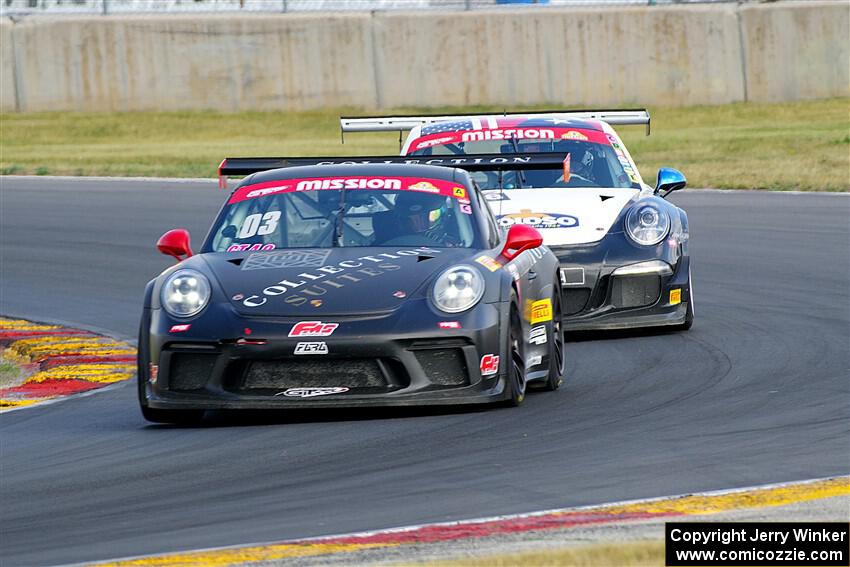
x=349, y=285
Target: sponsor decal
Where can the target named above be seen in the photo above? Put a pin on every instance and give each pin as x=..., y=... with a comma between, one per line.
x=319, y=347
x=459, y=192
x=311, y=392
x=179, y=328
x=489, y=364
x=573, y=135
x=534, y=360
x=488, y=263
x=449, y=324
x=433, y=142
x=507, y=134
x=238, y=297
x=287, y=259
x=312, y=329
x=541, y=311
x=538, y=220
x=424, y=186
x=348, y=183
x=495, y=196
x=399, y=294
x=572, y=276
x=316, y=302
x=250, y=247
x=675, y=296
x=466, y=209
x=270, y=190
x=308, y=285
x=537, y=335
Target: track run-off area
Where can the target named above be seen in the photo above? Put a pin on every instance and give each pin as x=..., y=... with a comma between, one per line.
x=756, y=393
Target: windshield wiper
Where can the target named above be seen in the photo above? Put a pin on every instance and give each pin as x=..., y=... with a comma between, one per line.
x=338, y=221
x=520, y=173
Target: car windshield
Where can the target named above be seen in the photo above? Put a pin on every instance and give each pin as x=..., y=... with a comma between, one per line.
x=590, y=163
x=345, y=212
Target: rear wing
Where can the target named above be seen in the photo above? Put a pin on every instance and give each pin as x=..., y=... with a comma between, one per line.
x=628, y=117
x=469, y=162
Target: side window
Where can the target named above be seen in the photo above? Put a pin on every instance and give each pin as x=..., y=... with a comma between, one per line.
x=493, y=234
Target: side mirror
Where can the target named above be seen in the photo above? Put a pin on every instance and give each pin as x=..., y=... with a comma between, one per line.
x=175, y=243
x=669, y=180
x=521, y=238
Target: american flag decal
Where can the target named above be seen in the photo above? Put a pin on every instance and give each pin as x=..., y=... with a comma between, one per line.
x=456, y=126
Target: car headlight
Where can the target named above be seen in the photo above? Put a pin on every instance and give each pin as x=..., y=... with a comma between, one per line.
x=185, y=293
x=647, y=224
x=457, y=289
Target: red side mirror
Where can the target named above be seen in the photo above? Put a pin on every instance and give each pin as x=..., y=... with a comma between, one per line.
x=175, y=243
x=521, y=238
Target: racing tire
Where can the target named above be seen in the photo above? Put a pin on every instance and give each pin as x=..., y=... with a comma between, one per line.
x=516, y=361
x=689, y=313
x=557, y=358
x=179, y=417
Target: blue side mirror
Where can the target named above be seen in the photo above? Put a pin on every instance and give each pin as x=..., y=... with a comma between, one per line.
x=669, y=180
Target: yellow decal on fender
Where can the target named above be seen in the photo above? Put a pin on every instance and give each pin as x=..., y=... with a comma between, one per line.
x=459, y=192
x=488, y=263
x=675, y=296
x=541, y=311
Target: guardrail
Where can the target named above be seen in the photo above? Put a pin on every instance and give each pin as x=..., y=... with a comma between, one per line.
x=114, y=7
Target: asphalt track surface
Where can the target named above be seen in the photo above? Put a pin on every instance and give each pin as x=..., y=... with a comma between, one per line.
x=757, y=392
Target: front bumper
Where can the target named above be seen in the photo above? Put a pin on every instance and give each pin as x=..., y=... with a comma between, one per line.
x=615, y=284
x=380, y=360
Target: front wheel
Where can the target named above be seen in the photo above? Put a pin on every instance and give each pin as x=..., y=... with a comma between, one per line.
x=557, y=359
x=516, y=361
x=178, y=417
x=182, y=417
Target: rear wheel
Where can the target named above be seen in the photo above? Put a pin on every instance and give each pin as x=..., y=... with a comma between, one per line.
x=516, y=360
x=557, y=359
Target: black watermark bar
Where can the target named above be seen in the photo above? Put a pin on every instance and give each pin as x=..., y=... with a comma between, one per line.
x=808, y=544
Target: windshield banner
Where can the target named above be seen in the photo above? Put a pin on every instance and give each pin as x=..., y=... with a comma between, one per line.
x=434, y=186
x=521, y=134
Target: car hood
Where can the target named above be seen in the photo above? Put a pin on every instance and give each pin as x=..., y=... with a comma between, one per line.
x=576, y=215
x=338, y=281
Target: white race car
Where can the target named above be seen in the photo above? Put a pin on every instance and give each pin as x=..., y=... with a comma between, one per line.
x=622, y=246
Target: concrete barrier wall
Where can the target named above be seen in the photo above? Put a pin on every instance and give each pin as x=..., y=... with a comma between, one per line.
x=698, y=54
x=796, y=51
x=8, y=99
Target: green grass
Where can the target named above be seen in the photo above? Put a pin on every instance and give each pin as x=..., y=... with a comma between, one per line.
x=9, y=373
x=793, y=146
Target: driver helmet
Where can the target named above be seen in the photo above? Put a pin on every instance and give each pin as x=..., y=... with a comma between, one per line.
x=584, y=166
x=420, y=213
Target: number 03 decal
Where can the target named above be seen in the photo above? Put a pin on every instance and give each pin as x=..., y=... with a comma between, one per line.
x=259, y=224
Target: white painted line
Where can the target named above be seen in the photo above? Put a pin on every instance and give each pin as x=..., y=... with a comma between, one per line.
x=506, y=517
